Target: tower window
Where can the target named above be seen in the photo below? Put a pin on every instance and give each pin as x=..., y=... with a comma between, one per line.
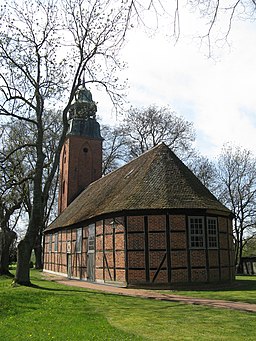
x=85, y=150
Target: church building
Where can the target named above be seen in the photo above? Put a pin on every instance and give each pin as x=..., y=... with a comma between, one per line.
x=149, y=223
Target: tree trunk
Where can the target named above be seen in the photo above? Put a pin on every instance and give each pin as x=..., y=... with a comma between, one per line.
x=25, y=247
x=6, y=239
x=38, y=249
x=239, y=260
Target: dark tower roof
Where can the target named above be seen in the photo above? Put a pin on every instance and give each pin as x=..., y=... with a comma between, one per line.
x=82, y=115
x=157, y=179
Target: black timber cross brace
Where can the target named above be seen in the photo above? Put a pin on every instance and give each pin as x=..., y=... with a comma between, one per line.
x=159, y=268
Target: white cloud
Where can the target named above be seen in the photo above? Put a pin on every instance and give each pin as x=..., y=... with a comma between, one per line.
x=218, y=97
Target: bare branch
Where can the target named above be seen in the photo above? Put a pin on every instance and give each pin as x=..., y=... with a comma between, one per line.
x=15, y=150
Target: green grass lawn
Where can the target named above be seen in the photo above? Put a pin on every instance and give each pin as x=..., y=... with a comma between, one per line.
x=244, y=290
x=50, y=311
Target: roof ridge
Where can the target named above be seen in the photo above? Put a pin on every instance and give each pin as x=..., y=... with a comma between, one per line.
x=157, y=179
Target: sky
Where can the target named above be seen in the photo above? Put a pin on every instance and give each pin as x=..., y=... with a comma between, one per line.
x=217, y=94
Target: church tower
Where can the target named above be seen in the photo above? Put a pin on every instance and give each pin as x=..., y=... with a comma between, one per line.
x=81, y=155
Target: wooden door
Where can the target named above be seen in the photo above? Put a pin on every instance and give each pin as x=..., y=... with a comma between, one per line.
x=91, y=253
x=69, y=265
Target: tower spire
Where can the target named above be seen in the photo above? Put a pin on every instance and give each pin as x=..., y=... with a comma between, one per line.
x=81, y=156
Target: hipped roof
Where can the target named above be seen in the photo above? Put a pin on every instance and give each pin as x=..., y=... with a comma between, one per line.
x=157, y=179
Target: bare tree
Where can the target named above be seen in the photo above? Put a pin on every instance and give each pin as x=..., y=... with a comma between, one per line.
x=115, y=146
x=204, y=169
x=237, y=189
x=11, y=199
x=45, y=49
x=216, y=16
x=7, y=231
x=145, y=128
x=18, y=141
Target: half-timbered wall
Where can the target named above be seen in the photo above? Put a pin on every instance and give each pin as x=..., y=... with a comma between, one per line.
x=66, y=260
x=146, y=249
x=159, y=251
x=109, y=252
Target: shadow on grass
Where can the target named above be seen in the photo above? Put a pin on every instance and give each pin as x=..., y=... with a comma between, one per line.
x=243, y=283
x=70, y=289
x=35, y=286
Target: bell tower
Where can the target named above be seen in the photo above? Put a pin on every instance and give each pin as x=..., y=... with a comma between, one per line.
x=81, y=155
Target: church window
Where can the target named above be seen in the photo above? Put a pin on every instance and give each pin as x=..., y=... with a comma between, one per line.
x=196, y=232
x=212, y=233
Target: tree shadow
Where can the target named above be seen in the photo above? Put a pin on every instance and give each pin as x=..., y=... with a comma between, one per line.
x=70, y=289
x=237, y=285
x=242, y=285
x=6, y=274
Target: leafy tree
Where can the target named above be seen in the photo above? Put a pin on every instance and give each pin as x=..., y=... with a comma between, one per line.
x=249, y=248
x=237, y=190
x=45, y=49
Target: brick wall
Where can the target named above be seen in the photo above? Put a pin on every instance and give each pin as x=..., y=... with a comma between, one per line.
x=179, y=259
x=157, y=252
x=80, y=165
x=148, y=252
x=178, y=222
x=110, y=250
x=57, y=261
x=146, y=249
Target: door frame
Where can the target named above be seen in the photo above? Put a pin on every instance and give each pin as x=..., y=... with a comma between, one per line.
x=91, y=253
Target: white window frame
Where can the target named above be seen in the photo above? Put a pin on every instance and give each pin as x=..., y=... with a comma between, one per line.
x=196, y=236
x=79, y=238
x=212, y=235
